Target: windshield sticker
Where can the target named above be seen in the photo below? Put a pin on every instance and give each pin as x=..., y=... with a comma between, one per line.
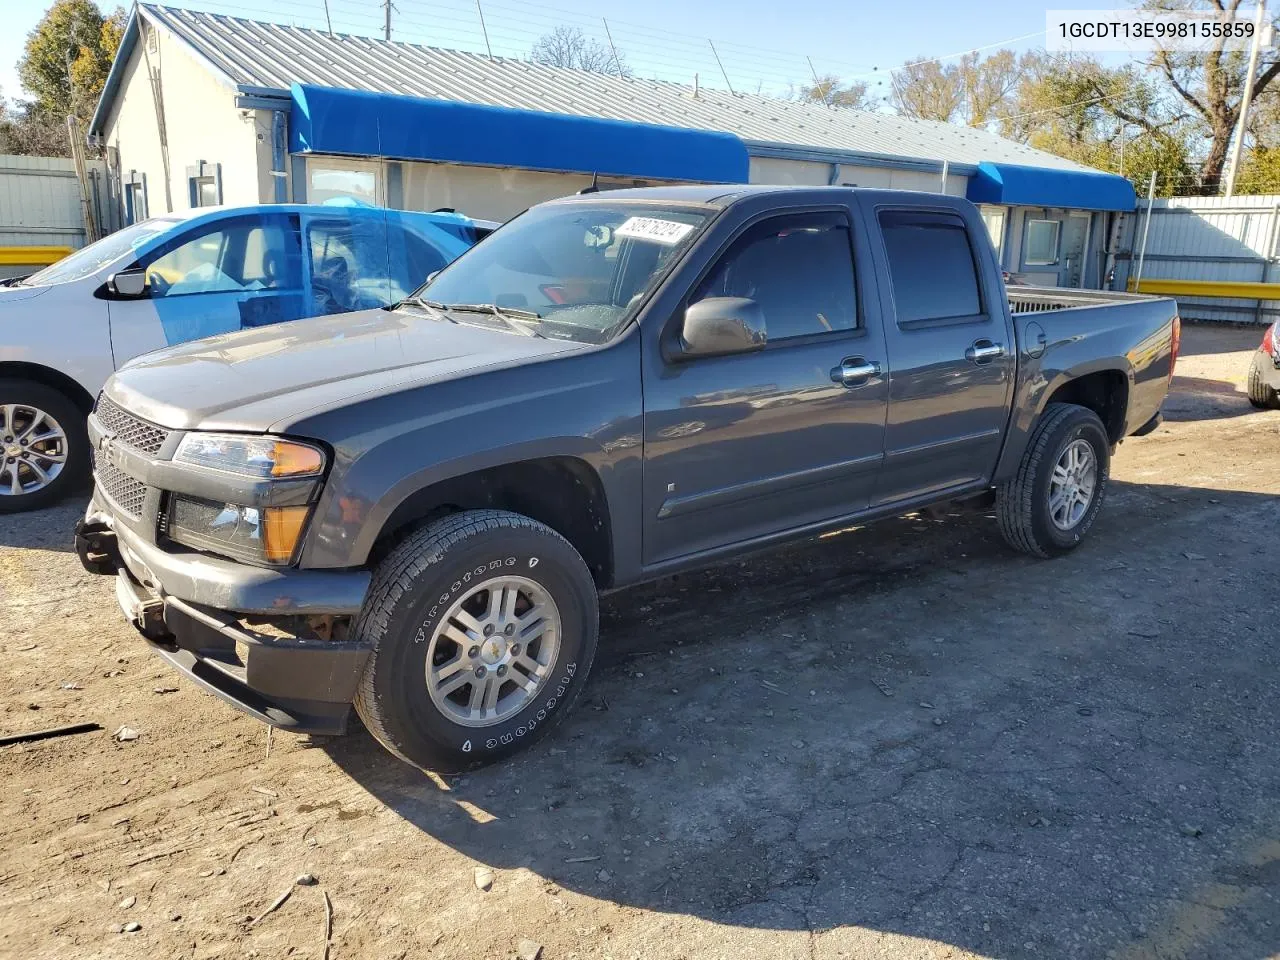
x=650, y=228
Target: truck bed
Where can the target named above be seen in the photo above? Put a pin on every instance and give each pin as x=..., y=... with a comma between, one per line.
x=1040, y=299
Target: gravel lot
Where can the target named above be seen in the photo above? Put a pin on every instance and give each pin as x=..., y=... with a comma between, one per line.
x=899, y=742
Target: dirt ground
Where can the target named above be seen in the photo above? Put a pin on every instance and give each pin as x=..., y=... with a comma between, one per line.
x=905, y=741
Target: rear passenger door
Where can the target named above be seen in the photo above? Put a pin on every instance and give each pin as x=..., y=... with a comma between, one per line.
x=743, y=446
x=950, y=350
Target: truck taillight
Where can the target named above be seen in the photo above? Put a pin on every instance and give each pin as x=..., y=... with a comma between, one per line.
x=1176, y=345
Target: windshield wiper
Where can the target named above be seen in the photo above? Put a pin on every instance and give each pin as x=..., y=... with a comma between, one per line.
x=506, y=314
x=417, y=302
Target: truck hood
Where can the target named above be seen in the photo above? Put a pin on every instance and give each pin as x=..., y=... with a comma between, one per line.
x=262, y=379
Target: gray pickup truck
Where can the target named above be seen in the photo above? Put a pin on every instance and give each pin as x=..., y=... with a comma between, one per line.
x=413, y=510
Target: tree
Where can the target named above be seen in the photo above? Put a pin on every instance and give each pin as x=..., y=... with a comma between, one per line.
x=1110, y=118
x=1211, y=83
x=830, y=90
x=31, y=131
x=973, y=90
x=67, y=56
x=569, y=47
x=926, y=90
x=1259, y=171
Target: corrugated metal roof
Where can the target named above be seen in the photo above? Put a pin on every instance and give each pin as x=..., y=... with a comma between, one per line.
x=273, y=56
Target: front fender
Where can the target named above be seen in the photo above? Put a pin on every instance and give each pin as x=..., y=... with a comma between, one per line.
x=585, y=406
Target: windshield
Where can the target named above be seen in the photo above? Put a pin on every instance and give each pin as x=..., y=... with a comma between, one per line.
x=577, y=270
x=89, y=260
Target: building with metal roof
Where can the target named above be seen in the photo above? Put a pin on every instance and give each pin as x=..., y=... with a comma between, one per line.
x=201, y=107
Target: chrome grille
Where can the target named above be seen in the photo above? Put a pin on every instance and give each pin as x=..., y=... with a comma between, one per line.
x=129, y=494
x=128, y=429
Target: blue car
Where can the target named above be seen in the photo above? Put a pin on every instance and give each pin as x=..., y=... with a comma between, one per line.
x=180, y=277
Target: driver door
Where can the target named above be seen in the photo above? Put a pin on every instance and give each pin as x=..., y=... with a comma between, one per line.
x=237, y=272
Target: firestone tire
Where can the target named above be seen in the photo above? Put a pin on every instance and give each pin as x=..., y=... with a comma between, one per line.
x=1023, y=504
x=412, y=611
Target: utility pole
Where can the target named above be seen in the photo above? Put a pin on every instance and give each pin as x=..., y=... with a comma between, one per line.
x=1146, y=231
x=1242, y=121
x=386, y=30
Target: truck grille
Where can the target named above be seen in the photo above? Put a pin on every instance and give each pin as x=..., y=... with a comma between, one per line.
x=128, y=494
x=128, y=429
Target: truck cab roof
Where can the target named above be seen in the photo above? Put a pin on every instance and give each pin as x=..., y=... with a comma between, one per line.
x=724, y=194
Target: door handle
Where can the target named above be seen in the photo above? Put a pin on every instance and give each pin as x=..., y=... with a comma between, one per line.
x=855, y=371
x=984, y=351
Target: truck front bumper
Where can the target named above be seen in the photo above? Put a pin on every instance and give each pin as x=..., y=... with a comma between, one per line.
x=188, y=607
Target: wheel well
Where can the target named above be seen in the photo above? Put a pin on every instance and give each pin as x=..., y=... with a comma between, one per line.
x=50, y=378
x=565, y=493
x=1106, y=393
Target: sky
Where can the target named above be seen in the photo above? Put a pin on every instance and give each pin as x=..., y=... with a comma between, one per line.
x=763, y=45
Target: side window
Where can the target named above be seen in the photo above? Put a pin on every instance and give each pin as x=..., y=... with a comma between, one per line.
x=348, y=265
x=799, y=269
x=1042, y=242
x=243, y=254
x=412, y=261
x=931, y=265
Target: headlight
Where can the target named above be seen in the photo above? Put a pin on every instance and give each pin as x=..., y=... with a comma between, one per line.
x=257, y=534
x=259, y=457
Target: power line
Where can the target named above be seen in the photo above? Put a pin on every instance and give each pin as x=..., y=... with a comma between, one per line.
x=520, y=33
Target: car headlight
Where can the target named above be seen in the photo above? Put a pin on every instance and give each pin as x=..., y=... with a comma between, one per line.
x=256, y=534
x=263, y=458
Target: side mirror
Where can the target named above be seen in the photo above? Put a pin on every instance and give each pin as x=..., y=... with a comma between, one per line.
x=722, y=325
x=128, y=284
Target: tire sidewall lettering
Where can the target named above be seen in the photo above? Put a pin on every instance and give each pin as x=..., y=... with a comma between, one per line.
x=532, y=723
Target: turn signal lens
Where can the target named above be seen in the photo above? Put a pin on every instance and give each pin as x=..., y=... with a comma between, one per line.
x=256, y=534
x=296, y=460
x=281, y=530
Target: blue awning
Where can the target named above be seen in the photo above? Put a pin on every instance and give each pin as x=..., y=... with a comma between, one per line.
x=362, y=124
x=1012, y=185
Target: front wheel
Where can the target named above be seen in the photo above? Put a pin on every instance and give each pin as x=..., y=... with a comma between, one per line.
x=44, y=446
x=483, y=626
x=1053, y=499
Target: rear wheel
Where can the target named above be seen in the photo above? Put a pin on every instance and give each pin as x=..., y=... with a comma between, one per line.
x=484, y=625
x=1260, y=395
x=44, y=446
x=1053, y=499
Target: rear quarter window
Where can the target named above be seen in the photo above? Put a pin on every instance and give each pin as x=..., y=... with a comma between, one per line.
x=931, y=266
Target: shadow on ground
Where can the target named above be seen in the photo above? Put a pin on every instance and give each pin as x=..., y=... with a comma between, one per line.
x=1207, y=338
x=1199, y=398
x=911, y=729
x=49, y=529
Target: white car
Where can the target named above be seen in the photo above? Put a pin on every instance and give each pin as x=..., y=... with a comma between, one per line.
x=180, y=277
